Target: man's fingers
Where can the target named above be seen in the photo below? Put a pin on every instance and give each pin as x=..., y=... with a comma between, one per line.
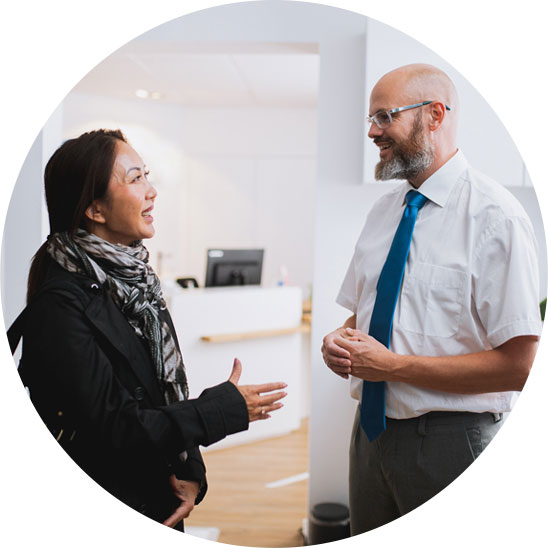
x=338, y=362
x=346, y=344
x=334, y=349
x=340, y=369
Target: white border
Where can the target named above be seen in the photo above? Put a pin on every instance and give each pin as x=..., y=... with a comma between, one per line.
x=501, y=47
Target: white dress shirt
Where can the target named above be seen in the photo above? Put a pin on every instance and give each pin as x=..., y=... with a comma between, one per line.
x=471, y=281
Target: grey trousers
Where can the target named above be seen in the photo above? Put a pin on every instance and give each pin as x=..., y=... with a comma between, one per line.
x=409, y=463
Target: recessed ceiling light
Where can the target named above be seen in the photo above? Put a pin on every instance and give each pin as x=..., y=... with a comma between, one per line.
x=142, y=93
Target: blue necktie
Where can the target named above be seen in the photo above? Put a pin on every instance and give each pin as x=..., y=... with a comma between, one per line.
x=372, y=417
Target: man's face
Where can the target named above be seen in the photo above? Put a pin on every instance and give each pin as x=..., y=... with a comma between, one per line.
x=405, y=150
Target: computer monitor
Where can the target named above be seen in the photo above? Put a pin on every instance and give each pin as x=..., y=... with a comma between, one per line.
x=227, y=267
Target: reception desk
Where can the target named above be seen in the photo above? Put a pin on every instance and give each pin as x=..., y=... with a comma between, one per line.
x=260, y=326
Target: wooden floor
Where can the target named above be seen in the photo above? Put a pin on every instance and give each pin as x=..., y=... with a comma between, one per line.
x=238, y=503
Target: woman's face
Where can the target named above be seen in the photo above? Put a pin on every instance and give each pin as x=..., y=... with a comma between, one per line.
x=125, y=214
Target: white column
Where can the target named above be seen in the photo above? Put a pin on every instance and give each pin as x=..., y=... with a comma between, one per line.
x=22, y=232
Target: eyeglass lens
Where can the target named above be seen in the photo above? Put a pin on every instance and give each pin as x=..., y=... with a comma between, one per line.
x=382, y=119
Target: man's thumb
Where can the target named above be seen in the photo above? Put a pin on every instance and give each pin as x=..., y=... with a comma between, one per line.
x=236, y=372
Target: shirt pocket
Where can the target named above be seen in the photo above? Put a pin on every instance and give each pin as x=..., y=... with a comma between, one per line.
x=432, y=300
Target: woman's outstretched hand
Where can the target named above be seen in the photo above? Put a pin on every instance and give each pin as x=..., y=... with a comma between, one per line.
x=259, y=406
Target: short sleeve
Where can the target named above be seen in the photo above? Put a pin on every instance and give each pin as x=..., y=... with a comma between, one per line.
x=348, y=294
x=506, y=280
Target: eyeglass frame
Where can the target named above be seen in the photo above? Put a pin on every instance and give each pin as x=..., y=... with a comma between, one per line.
x=371, y=119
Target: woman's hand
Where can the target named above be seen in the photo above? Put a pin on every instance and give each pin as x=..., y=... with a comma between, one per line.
x=259, y=407
x=186, y=491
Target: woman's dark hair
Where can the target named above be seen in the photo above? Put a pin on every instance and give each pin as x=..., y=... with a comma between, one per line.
x=77, y=174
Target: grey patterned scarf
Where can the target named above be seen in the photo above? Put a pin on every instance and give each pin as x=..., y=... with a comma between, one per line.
x=124, y=271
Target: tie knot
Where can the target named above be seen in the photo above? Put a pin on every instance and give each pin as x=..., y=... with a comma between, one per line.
x=415, y=199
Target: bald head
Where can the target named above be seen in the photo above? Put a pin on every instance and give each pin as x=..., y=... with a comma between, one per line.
x=429, y=128
x=420, y=82
x=415, y=83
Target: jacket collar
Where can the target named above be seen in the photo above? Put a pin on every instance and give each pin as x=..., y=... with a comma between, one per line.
x=107, y=318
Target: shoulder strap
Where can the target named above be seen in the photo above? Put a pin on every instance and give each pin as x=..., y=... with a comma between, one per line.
x=15, y=332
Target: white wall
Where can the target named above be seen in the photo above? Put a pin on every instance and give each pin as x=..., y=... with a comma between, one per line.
x=22, y=233
x=482, y=136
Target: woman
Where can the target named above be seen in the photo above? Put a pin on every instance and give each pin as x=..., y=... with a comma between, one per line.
x=100, y=353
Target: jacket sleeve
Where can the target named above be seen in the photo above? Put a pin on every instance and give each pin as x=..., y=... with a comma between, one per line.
x=67, y=356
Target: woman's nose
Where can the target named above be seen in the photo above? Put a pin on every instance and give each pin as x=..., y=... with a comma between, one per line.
x=151, y=192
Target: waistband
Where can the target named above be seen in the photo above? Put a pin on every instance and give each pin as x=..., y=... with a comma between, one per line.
x=435, y=419
x=442, y=415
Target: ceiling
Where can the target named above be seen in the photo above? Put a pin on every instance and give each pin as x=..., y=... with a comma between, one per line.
x=210, y=74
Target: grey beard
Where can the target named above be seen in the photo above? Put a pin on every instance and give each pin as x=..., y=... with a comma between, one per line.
x=400, y=167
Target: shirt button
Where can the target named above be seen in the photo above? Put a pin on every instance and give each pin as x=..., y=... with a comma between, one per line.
x=139, y=393
x=94, y=286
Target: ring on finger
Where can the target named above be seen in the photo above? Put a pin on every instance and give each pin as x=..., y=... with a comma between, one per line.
x=262, y=411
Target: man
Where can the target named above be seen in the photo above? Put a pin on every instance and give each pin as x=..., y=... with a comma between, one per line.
x=458, y=320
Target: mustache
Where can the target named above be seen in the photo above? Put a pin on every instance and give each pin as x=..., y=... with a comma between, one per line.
x=380, y=141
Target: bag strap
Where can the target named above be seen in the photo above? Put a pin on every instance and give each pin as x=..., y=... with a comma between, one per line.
x=15, y=332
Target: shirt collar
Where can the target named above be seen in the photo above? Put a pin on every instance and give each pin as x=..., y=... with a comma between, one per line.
x=438, y=186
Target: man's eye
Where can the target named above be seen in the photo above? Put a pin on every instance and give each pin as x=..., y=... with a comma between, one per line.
x=383, y=117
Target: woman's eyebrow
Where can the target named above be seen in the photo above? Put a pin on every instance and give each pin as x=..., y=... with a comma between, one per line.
x=132, y=168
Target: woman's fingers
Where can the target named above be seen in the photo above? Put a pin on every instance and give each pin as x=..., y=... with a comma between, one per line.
x=236, y=372
x=180, y=513
x=263, y=412
x=271, y=398
x=260, y=406
x=268, y=387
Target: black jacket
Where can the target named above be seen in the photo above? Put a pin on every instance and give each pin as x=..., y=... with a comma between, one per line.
x=93, y=383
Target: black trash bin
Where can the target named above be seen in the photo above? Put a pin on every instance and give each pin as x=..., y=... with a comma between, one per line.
x=328, y=522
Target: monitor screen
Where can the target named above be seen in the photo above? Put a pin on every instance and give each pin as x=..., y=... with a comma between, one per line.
x=234, y=267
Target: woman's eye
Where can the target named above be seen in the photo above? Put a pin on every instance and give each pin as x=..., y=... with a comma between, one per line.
x=140, y=176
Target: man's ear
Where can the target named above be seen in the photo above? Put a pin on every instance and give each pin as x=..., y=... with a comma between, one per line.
x=94, y=212
x=437, y=115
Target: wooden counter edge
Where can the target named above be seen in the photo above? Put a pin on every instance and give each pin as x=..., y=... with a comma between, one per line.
x=230, y=337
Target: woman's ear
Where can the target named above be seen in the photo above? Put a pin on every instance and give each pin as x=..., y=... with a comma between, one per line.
x=94, y=212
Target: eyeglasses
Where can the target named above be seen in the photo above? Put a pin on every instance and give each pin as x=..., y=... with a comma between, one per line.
x=383, y=118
